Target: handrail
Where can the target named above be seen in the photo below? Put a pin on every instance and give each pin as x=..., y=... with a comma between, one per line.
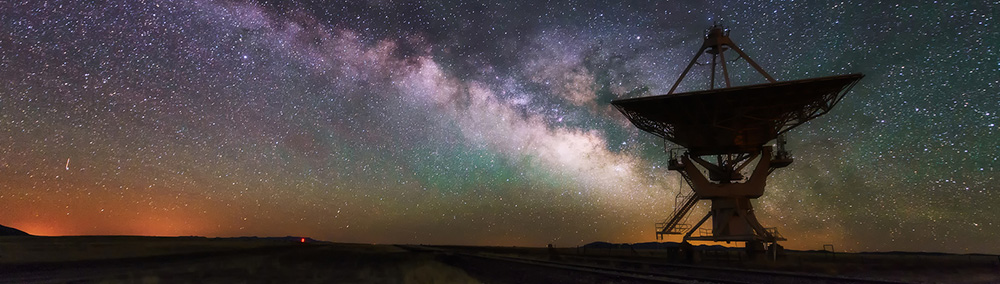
x=671, y=224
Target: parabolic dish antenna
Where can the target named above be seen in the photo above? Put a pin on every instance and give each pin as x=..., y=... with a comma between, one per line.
x=723, y=132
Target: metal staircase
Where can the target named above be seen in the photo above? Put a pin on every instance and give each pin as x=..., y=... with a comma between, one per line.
x=774, y=235
x=672, y=225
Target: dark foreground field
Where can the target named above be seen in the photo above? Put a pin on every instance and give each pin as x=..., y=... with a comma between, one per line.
x=205, y=260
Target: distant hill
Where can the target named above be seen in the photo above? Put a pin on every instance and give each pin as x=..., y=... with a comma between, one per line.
x=656, y=245
x=649, y=245
x=287, y=238
x=8, y=231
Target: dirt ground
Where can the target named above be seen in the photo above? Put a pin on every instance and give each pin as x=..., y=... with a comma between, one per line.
x=125, y=259
x=201, y=260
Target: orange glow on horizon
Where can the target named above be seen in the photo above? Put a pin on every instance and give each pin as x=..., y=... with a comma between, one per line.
x=38, y=229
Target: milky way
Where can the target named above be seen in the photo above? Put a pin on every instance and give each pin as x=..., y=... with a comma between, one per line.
x=480, y=123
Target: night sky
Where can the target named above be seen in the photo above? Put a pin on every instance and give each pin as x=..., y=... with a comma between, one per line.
x=484, y=123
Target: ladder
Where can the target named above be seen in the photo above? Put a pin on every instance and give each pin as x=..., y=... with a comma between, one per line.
x=672, y=225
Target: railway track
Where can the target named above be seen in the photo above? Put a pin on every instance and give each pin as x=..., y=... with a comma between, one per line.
x=725, y=275
x=330, y=263
x=583, y=269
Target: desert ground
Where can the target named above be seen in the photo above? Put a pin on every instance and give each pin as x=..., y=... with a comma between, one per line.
x=134, y=259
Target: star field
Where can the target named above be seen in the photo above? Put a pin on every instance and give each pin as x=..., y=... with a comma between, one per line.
x=485, y=123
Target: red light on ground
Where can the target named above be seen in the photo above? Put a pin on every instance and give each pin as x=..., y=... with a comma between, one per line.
x=302, y=240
